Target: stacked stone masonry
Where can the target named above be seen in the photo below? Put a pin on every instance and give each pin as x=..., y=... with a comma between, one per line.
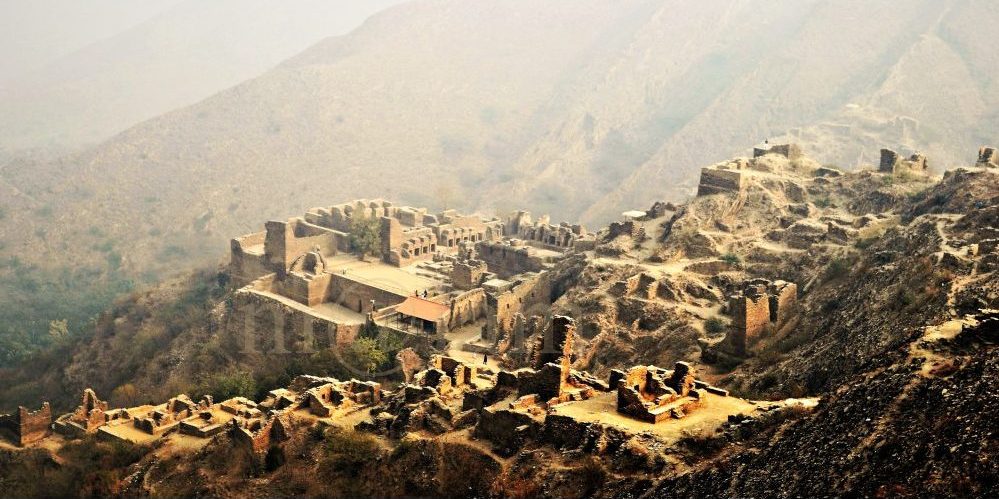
x=893, y=163
x=25, y=427
x=988, y=157
x=757, y=308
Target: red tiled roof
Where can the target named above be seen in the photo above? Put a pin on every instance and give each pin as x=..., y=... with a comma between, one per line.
x=427, y=310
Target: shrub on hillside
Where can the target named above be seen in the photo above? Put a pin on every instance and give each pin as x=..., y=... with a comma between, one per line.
x=226, y=385
x=714, y=325
x=731, y=259
x=349, y=450
x=838, y=267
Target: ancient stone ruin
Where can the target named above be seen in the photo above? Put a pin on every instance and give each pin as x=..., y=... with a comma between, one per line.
x=759, y=307
x=87, y=418
x=893, y=163
x=303, y=290
x=789, y=151
x=987, y=157
x=653, y=395
x=258, y=435
x=726, y=177
x=25, y=426
x=547, y=403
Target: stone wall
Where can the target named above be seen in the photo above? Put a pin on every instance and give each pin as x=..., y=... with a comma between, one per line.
x=750, y=317
x=455, y=229
x=407, y=234
x=531, y=295
x=86, y=418
x=715, y=180
x=783, y=298
x=262, y=324
x=246, y=258
x=628, y=228
x=543, y=234
x=338, y=217
x=402, y=246
x=286, y=241
x=893, y=163
x=653, y=395
x=257, y=436
x=467, y=308
x=357, y=294
x=506, y=260
x=25, y=427
x=508, y=430
x=789, y=151
x=468, y=274
x=502, y=308
x=987, y=157
x=308, y=290
x=758, y=307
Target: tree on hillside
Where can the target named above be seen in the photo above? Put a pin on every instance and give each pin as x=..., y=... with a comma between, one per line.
x=365, y=236
x=364, y=355
x=126, y=395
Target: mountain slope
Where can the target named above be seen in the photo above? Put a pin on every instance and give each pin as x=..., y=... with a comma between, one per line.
x=180, y=56
x=34, y=34
x=895, y=344
x=577, y=108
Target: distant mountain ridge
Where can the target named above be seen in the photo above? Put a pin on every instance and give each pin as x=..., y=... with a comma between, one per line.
x=189, y=51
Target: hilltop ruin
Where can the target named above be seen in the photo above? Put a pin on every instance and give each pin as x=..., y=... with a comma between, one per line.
x=535, y=345
x=435, y=274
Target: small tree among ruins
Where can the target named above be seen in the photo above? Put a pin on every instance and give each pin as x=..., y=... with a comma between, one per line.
x=364, y=355
x=365, y=236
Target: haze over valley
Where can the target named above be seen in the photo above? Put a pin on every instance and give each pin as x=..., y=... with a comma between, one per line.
x=499, y=248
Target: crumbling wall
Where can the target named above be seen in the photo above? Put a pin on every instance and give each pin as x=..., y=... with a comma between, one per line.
x=467, y=308
x=263, y=324
x=783, y=298
x=542, y=233
x=750, y=317
x=468, y=274
x=403, y=246
x=628, y=228
x=789, y=151
x=460, y=373
x=286, y=241
x=987, y=157
x=642, y=285
x=893, y=163
x=506, y=260
x=308, y=290
x=502, y=309
x=25, y=427
x=258, y=436
x=652, y=394
x=338, y=217
x=455, y=229
x=86, y=418
x=715, y=180
x=760, y=305
x=247, y=260
x=508, y=430
x=357, y=294
x=531, y=293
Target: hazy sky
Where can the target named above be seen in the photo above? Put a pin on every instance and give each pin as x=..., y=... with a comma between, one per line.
x=36, y=32
x=74, y=72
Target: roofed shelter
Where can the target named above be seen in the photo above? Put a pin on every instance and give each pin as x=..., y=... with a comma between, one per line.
x=425, y=315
